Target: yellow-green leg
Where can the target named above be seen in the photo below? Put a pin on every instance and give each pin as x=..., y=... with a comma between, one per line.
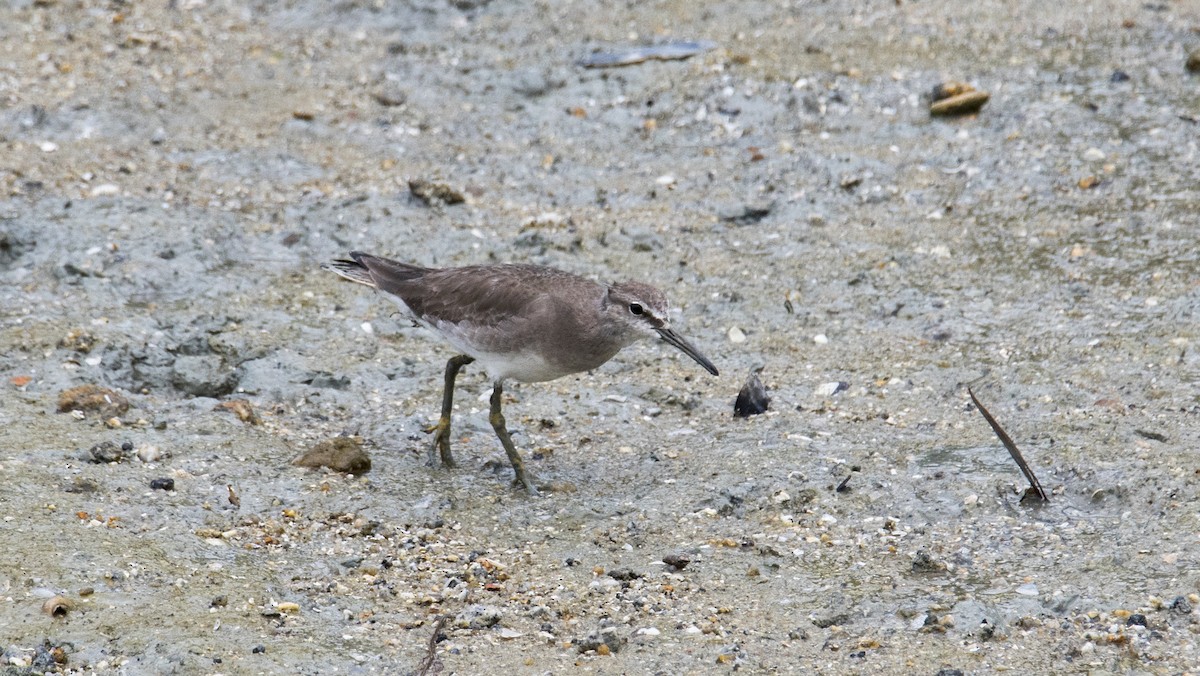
x=522, y=477
x=441, y=440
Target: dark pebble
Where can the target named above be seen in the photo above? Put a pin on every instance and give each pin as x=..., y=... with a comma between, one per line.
x=1119, y=76
x=127, y=446
x=950, y=672
x=1136, y=619
x=162, y=484
x=571, y=561
x=752, y=399
x=219, y=601
x=625, y=574
x=1181, y=605
x=259, y=649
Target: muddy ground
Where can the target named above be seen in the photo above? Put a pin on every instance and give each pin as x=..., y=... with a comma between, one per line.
x=173, y=174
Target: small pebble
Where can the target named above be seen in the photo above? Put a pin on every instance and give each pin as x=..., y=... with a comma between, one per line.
x=431, y=192
x=956, y=98
x=1093, y=155
x=677, y=561
x=1193, y=61
x=820, y=339
x=736, y=335
x=149, y=454
x=106, y=451
x=341, y=454
x=832, y=388
x=163, y=484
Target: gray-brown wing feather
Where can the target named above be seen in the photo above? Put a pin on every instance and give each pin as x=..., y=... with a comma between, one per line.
x=480, y=295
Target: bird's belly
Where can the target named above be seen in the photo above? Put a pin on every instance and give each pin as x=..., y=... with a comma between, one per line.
x=524, y=366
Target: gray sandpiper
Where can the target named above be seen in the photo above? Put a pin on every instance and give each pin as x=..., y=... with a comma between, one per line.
x=526, y=322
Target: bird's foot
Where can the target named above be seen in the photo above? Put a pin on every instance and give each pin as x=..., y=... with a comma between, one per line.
x=440, y=448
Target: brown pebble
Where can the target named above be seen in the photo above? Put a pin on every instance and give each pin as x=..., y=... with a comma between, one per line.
x=1088, y=182
x=948, y=89
x=92, y=398
x=341, y=454
x=242, y=408
x=960, y=104
x=58, y=606
x=1193, y=61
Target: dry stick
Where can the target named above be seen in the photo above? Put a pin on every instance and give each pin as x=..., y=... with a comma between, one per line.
x=1012, y=448
x=431, y=650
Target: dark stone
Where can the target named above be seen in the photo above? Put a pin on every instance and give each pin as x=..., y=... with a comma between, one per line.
x=163, y=484
x=752, y=399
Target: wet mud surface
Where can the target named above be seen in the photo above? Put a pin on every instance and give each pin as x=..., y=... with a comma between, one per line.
x=173, y=175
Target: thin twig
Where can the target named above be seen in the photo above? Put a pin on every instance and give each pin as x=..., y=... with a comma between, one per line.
x=430, y=658
x=1012, y=447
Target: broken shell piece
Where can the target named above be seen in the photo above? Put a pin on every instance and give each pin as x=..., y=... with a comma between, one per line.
x=752, y=399
x=956, y=98
x=58, y=606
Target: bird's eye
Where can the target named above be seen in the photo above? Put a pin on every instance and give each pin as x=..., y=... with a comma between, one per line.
x=636, y=308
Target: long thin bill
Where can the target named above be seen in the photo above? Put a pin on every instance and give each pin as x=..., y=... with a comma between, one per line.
x=688, y=349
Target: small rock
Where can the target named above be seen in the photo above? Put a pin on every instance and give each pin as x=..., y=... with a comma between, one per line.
x=924, y=563
x=746, y=214
x=164, y=484
x=1181, y=606
x=92, y=399
x=203, y=376
x=478, y=616
x=624, y=574
x=752, y=399
x=1118, y=76
x=832, y=388
x=1136, y=619
x=434, y=193
x=603, y=641
x=1193, y=61
x=78, y=340
x=736, y=335
x=821, y=339
x=391, y=96
x=341, y=454
x=956, y=98
x=1093, y=155
x=105, y=451
x=680, y=561
x=242, y=408
x=1088, y=182
x=150, y=454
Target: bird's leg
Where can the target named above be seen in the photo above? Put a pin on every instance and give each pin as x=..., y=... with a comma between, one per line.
x=441, y=440
x=522, y=477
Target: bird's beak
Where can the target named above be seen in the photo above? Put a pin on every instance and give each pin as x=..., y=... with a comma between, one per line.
x=687, y=348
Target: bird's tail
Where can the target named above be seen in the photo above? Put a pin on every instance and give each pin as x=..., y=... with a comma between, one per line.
x=352, y=270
